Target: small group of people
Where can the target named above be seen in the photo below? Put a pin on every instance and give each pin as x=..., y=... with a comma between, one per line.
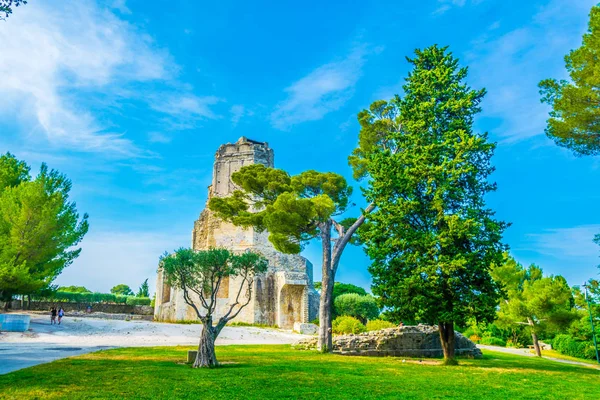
x=54, y=313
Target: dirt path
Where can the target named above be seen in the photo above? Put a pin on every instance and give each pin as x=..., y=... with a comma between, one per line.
x=528, y=353
x=75, y=336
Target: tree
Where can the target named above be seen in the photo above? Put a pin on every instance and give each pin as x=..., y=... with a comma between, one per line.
x=122, y=290
x=431, y=239
x=574, y=121
x=74, y=289
x=340, y=288
x=39, y=228
x=199, y=275
x=361, y=307
x=7, y=5
x=542, y=304
x=294, y=210
x=143, y=291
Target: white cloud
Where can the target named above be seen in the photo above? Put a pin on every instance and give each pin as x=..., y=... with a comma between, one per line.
x=446, y=5
x=569, y=243
x=237, y=112
x=110, y=258
x=322, y=91
x=157, y=137
x=186, y=107
x=511, y=65
x=53, y=49
x=121, y=6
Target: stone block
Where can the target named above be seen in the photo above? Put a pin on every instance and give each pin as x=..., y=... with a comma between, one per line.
x=192, y=356
x=305, y=329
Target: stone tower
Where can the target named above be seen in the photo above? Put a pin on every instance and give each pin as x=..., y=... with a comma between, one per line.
x=281, y=296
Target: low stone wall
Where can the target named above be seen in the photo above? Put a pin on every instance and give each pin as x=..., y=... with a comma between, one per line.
x=96, y=307
x=403, y=341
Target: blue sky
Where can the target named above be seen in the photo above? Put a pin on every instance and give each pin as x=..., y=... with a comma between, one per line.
x=132, y=98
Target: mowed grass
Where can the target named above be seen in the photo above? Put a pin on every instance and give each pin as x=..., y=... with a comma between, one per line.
x=277, y=372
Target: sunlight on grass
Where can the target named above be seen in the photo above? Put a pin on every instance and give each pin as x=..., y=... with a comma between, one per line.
x=269, y=372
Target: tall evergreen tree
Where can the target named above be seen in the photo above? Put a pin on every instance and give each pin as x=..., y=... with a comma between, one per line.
x=574, y=121
x=39, y=227
x=431, y=237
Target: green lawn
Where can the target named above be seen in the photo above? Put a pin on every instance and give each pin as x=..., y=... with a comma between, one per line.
x=269, y=372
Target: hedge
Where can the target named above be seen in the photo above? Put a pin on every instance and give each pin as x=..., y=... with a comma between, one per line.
x=70, y=297
x=570, y=346
x=347, y=324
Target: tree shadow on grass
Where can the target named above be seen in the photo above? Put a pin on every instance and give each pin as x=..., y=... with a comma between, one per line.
x=528, y=363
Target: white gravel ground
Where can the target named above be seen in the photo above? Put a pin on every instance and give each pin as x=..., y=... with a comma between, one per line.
x=45, y=342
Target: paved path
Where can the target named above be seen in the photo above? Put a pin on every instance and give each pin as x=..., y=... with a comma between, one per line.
x=75, y=336
x=528, y=353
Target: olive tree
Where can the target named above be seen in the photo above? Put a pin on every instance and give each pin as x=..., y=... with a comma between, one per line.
x=199, y=274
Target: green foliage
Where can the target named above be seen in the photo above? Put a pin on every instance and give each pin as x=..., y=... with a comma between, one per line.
x=143, y=291
x=122, y=289
x=493, y=341
x=378, y=324
x=6, y=7
x=567, y=345
x=74, y=289
x=39, y=227
x=138, y=301
x=431, y=239
x=199, y=274
x=290, y=208
x=83, y=297
x=574, y=121
x=346, y=324
x=543, y=304
x=364, y=308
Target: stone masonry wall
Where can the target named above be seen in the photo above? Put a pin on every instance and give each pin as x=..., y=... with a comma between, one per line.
x=403, y=341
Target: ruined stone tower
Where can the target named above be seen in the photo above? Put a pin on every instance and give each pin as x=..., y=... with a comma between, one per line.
x=281, y=296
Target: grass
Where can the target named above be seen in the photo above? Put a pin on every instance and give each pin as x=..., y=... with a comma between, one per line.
x=269, y=372
x=556, y=354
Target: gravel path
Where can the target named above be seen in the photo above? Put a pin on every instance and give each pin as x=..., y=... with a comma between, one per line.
x=528, y=353
x=44, y=342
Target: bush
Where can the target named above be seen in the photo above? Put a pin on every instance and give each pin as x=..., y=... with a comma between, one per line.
x=347, y=324
x=138, y=301
x=377, y=324
x=567, y=345
x=492, y=341
x=358, y=306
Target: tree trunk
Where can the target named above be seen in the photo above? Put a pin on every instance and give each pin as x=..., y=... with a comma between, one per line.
x=206, y=357
x=325, y=343
x=534, y=338
x=446, y=330
x=29, y=302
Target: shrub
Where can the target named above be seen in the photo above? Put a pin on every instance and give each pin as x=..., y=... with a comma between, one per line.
x=362, y=307
x=138, y=301
x=493, y=341
x=513, y=344
x=475, y=338
x=377, y=324
x=347, y=324
x=567, y=345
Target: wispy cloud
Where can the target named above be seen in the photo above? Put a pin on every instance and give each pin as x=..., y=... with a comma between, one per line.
x=322, y=91
x=158, y=137
x=49, y=67
x=186, y=106
x=511, y=65
x=568, y=243
x=237, y=112
x=446, y=5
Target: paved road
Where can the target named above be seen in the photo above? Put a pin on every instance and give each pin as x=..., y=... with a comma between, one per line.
x=15, y=356
x=528, y=353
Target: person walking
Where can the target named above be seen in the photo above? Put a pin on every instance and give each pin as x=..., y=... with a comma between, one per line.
x=61, y=313
x=53, y=316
